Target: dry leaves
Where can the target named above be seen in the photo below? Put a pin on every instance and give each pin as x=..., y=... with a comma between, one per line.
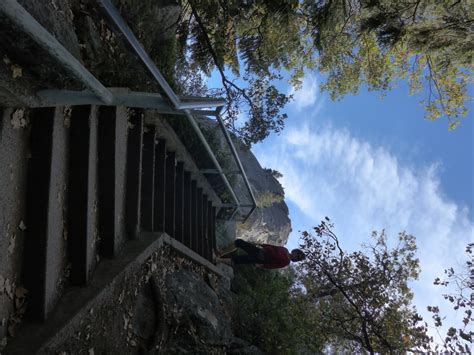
x=3, y=343
x=22, y=225
x=107, y=36
x=19, y=119
x=11, y=244
x=67, y=112
x=17, y=71
x=20, y=297
x=54, y=5
x=121, y=297
x=8, y=288
x=126, y=322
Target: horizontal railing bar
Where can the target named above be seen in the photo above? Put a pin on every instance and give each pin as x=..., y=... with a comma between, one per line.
x=196, y=104
x=118, y=21
x=50, y=98
x=20, y=17
x=231, y=205
x=215, y=172
x=116, y=18
x=205, y=112
x=209, y=171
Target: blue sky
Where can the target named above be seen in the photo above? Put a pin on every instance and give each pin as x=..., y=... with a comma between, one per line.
x=370, y=163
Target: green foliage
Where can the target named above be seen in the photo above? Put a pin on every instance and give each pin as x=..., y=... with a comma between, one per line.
x=266, y=199
x=363, y=297
x=377, y=42
x=275, y=173
x=269, y=313
x=459, y=295
x=348, y=302
x=353, y=43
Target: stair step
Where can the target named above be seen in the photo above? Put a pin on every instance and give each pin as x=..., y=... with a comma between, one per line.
x=14, y=150
x=82, y=197
x=179, y=202
x=112, y=149
x=194, y=217
x=134, y=178
x=213, y=228
x=205, y=244
x=160, y=186
x=187, y=230
x=209, y=234
x=45, y=245
x=148, y=178
x=200, y=224
x=170, y=193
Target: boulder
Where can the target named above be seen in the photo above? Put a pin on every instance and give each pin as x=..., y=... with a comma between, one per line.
x=197, y=308
x=270, y=222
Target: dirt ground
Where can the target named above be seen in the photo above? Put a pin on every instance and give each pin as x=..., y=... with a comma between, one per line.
x=111, y=328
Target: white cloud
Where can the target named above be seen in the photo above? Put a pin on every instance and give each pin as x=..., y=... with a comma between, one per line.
x=307, y=95
x=361, y=187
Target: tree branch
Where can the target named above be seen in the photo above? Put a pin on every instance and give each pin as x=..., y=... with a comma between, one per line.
x=225, y=81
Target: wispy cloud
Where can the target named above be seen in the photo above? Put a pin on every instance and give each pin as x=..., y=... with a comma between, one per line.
x=307, y=95
x=362, y=187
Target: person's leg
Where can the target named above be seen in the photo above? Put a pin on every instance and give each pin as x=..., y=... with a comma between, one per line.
x=249, y=248
x=254, y=254
x=246, y=259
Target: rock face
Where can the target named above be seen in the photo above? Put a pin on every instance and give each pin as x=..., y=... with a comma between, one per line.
x=194, y=301
x=201, y=316
x=269, y=223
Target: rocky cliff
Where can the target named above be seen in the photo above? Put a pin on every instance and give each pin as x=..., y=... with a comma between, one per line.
x=269, y=223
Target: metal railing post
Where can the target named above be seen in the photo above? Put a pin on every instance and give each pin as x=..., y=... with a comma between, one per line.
x=101, y=95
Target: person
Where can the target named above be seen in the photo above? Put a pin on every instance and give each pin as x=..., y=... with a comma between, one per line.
x=263, y=255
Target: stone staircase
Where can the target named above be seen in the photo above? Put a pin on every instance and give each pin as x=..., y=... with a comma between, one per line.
x=80, y=184
x=93, y=182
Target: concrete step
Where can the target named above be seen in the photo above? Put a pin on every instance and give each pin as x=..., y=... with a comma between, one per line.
x=199, y=224
x=134, y=173
x=187, y=230
x=14, y=152
x=97, y=177
x=179, y=202
x=212, y=227
x=170, y=193
x=205, y=241
x=82, y=197
x=159, y=212
x=112, y=149
x=194, y=217
x=44, y=260
x=148, y=178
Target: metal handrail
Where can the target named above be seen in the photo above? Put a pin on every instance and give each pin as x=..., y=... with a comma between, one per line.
x=114, y=15
x=21, y=18
x=237, y=160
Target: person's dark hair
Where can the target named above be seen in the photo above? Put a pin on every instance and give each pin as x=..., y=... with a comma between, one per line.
x=299, y=255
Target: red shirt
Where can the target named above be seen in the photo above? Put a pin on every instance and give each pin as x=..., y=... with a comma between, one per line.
x=275, y=257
